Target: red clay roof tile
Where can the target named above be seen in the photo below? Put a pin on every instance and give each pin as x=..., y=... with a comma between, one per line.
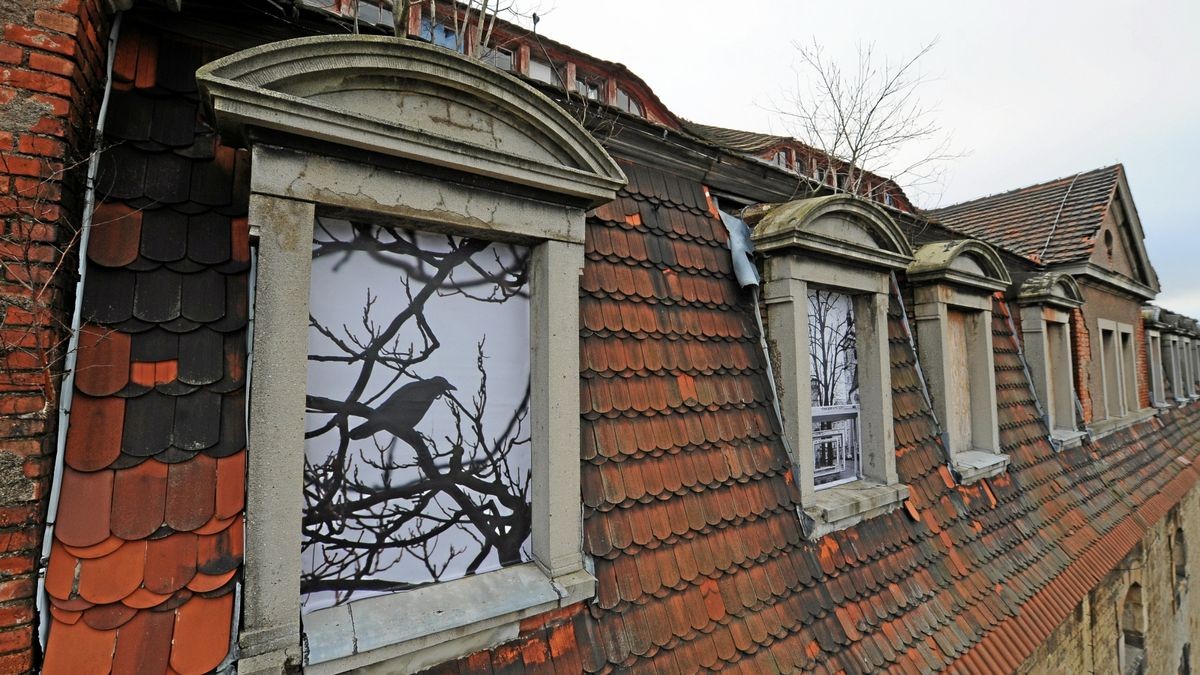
x=201, y=634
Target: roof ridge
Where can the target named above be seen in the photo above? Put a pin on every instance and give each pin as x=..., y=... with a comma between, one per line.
x=1118, y=167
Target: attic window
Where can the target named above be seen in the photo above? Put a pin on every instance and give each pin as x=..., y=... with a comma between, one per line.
x=833, y=352
x=628, y=103
x=589, y=89
x=954, y=282
x=441, y=35
x=1046, y=302
x=544, y=71
x=1118, y=368
x=827, y=294
x=418, y=438
x=781, y=158
x=351, y=437
x=498, y=57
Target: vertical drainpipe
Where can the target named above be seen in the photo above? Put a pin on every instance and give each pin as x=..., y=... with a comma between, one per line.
x=68, y=382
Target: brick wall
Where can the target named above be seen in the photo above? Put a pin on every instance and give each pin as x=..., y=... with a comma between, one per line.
x=1143, y=364
x=52, y=56
x=1081, y=348
x=1088, y=640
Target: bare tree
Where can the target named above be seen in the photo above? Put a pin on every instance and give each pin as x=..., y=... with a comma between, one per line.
x=867, y=122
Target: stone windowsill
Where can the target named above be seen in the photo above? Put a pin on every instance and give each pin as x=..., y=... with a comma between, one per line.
x=1067, y=438
x=1104, y=428
x=974, y=465
x=422, y=627
x=843, y=506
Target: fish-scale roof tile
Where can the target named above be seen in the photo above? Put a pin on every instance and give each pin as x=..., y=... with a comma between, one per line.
x=148, y=542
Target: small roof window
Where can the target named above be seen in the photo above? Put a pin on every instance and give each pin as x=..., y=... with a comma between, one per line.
x=628, y=103
x=544, y=71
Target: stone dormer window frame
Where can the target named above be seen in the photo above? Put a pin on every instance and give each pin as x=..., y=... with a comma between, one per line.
x=356, y=126
x=849, y=246
x=1118, y=371
x=1155, y=350
x=954, y=282
x=1046, y=303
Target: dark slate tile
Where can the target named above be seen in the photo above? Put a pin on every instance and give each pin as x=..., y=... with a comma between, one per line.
x=177, y=67
x=134, y=389
x=168, y=177
x=149, y=422
x=129, y=115
x=174, y=122
x=197, y=421
x=134, y=325
x=209, y=238
x=203, y=147
x=175, y=388
x=153, y=345
x=200, y=357
x=234, y=354
x=173, y=455
x=157, y=296
x=233, y=425
x=124, y=461
x=180, y=325
x=237, y=301
x=142, y=264
x=212, y=182
x=108, y=295
x=164, y=235
x=186, y=266
x=204, y=296
x=122, y=173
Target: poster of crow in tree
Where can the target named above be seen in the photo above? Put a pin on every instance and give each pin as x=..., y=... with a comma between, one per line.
x=417, y=451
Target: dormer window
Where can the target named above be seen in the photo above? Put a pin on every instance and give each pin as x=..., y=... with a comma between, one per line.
x=589, y=89
x=780, y=159
x=498, y=57
x=954, y=283
x=544, y=71
x=441, y=35
x=1046, y=302
x=628, y=103
x=827, y=292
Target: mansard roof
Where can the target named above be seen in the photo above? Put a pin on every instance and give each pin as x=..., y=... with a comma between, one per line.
x=688, y=500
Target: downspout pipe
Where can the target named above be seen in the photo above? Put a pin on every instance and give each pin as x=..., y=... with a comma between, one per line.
x=68, y=383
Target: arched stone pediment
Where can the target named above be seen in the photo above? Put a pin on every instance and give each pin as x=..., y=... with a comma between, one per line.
x=837, y=225
x=966, y=262
x=1051, y=288
x=411, y=100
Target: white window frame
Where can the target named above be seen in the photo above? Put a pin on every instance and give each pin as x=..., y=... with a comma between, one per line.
x=307, y=159
x=961, y=276
x=850, y=245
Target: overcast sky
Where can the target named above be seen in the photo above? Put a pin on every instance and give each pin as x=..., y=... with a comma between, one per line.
x=1030, y=91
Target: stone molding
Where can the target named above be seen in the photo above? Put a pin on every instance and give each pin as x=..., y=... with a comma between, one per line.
x=410, y=100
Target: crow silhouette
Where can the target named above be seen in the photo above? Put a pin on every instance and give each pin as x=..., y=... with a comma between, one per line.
x=403, y=410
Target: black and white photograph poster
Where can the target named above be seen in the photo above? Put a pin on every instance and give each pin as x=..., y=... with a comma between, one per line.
x=417, y=450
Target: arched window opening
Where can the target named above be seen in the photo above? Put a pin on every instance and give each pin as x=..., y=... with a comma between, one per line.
x=1108, y=246
x=1179, y=563
x=1132, y=649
